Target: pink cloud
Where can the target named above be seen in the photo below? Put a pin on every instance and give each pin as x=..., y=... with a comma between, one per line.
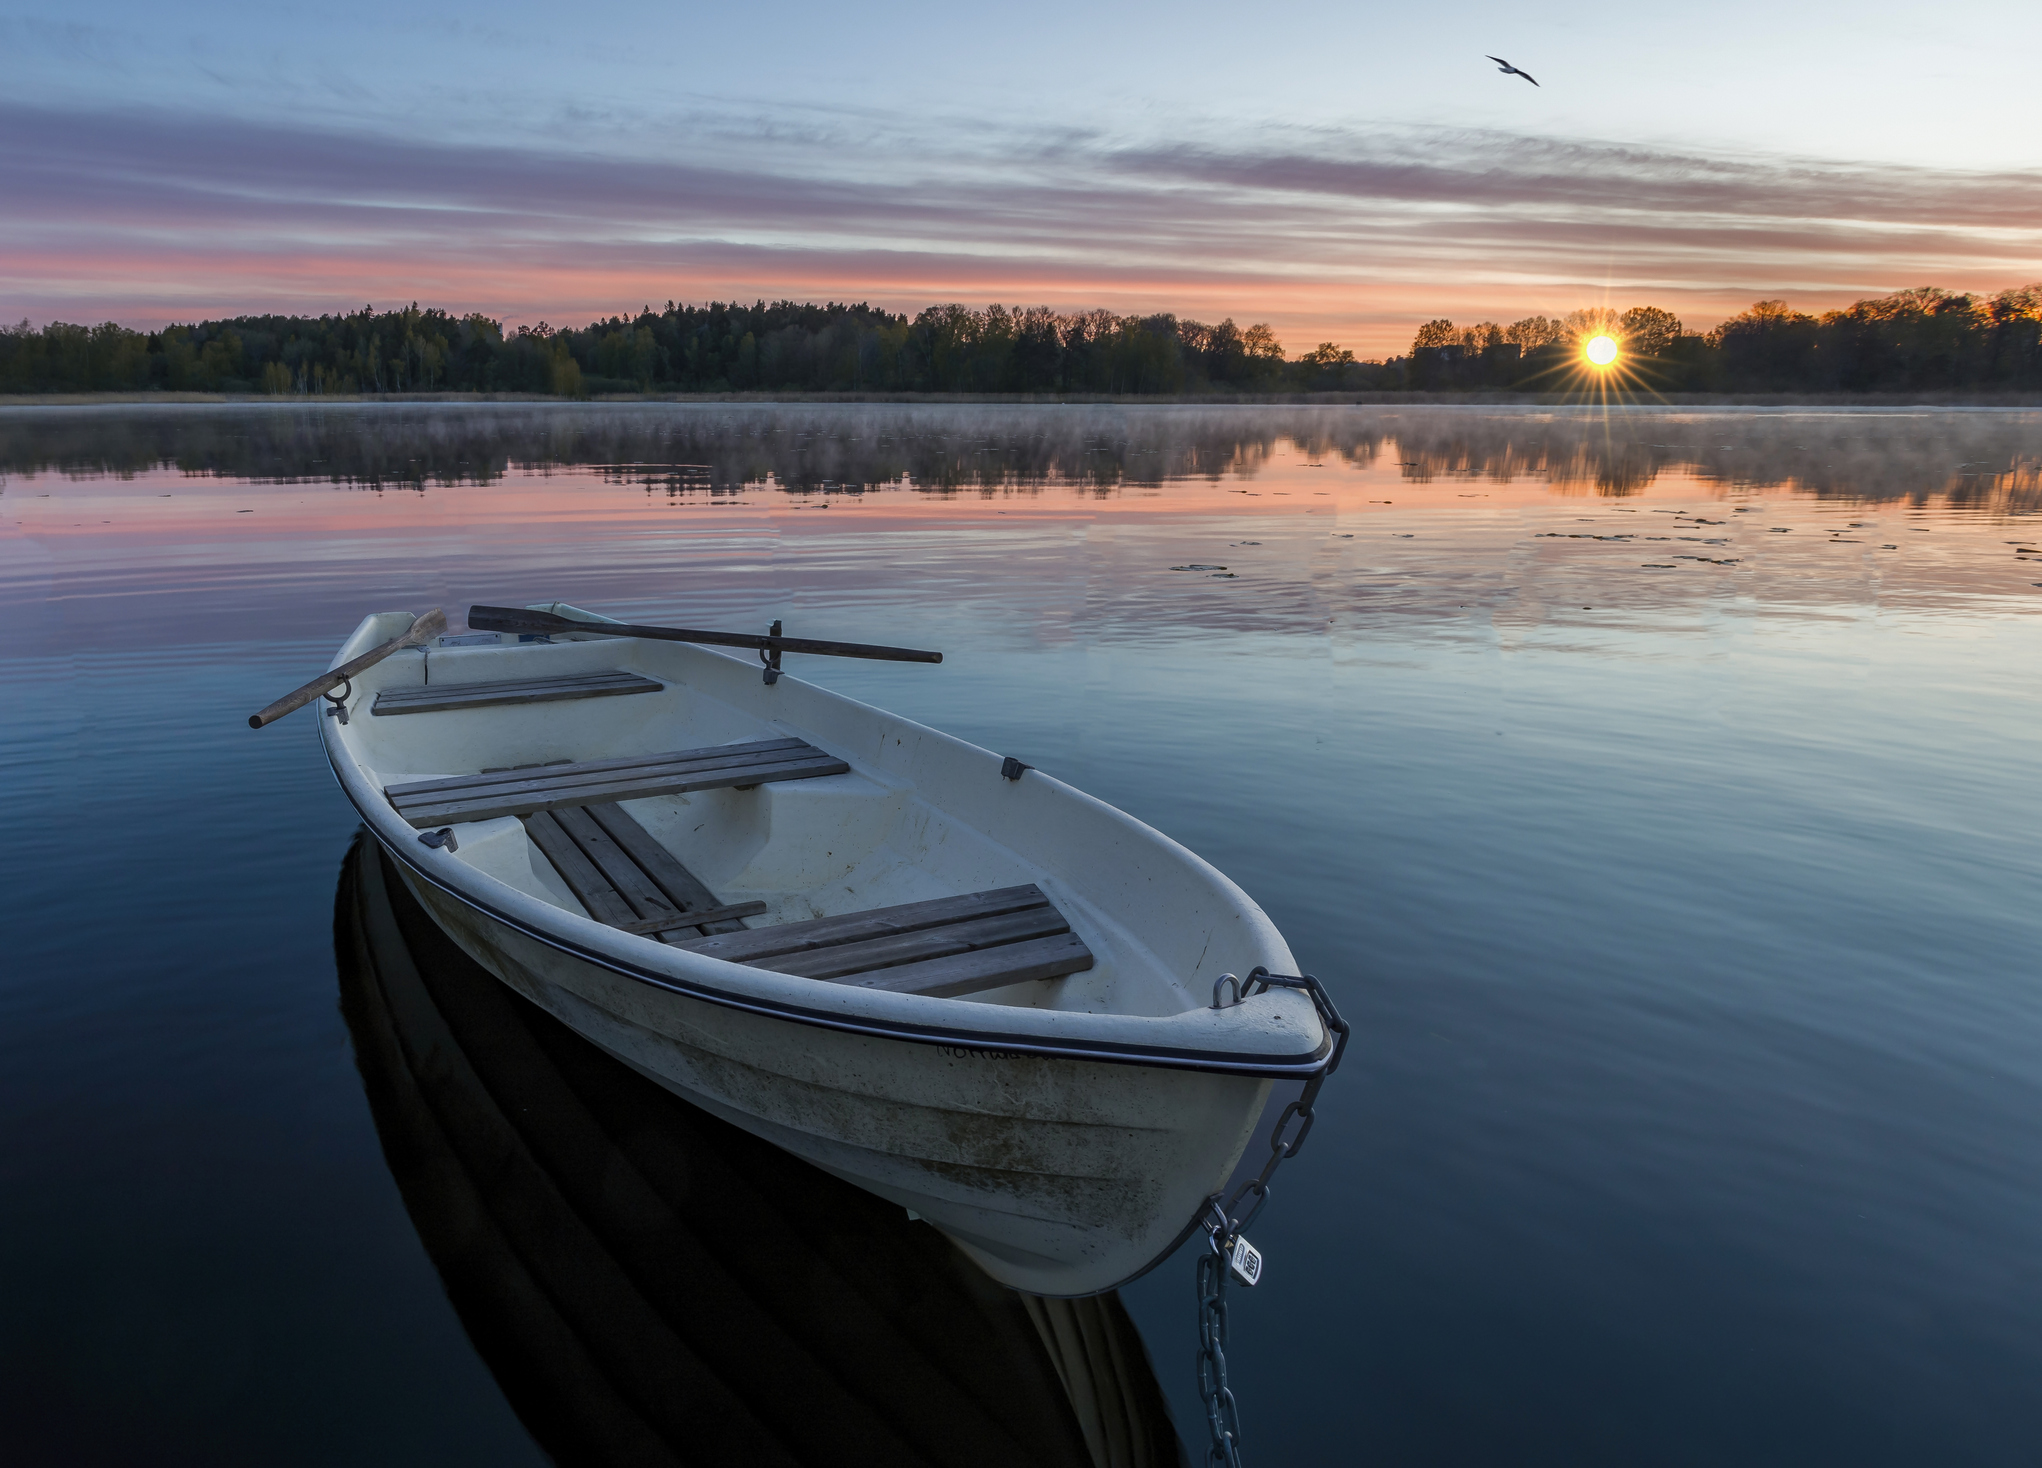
x=148, y=219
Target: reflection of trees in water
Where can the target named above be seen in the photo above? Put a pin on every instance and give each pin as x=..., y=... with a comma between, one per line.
x=1982, y=458
x=683, y=450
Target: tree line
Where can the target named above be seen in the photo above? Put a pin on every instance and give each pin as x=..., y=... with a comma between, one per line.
x=1910, y=341
x=1917, y=339
x=785, y=347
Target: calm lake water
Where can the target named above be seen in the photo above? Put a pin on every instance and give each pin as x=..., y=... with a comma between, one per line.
x=1658, y=792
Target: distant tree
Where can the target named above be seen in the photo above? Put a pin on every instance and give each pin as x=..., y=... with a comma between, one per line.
x=1436, y=333
x=1478, y=339
x=2013, y=322
x=1224, y=351
x=1532, y=333
x=1583, y=326
x=1328, y=365
x=1767, y=346
x=1261, y=343
x=564, y=375
x=1914, y=338
x=2023, y=303
x=1038, y=350
x=1647, y=331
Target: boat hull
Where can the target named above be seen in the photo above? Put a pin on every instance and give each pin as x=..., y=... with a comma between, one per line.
x=1066, y=1135
x=1057, y=1175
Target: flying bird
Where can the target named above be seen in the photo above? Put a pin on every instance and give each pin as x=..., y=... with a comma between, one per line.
x=1508, y=70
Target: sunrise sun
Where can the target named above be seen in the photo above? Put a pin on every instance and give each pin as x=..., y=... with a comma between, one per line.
x=1602, y=350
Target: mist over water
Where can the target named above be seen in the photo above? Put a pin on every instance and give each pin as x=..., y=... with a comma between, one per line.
x=1875, y=453
x=1657, y=791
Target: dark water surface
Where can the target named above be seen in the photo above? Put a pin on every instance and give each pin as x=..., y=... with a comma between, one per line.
x=1657, y=792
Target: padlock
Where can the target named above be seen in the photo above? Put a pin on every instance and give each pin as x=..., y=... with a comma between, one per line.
x=1245, y=1260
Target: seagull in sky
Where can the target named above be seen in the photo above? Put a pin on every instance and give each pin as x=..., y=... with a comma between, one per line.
x=1508, y=70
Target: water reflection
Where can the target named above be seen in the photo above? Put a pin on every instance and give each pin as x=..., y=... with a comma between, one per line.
x=650, y=1285
x=1985, y=458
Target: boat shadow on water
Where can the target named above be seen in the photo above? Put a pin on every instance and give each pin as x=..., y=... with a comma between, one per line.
x=651, y=1285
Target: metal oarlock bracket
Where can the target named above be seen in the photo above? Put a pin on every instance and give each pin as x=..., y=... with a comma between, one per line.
x=771, y=659
x=1227, y=1250
x=442, y=839
x=338, y=701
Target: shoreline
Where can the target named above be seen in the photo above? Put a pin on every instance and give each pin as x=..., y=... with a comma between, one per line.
x=1488, y=398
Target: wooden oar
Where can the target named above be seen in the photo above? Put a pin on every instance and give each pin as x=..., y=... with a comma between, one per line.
x=518, y=619
x=425, y=629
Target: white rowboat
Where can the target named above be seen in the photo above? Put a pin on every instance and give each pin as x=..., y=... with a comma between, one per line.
x=965, y=987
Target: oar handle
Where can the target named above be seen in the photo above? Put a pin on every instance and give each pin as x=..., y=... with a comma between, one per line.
x=519, y=619
x=424, y=629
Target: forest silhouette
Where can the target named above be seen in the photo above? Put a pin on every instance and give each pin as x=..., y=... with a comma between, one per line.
x=1917, y=340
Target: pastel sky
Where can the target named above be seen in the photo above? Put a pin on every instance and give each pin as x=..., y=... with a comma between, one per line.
x=1342, y=171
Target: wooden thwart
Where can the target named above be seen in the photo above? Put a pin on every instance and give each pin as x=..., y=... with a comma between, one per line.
x=438, y=698
x=521, y=792
x=941, y=948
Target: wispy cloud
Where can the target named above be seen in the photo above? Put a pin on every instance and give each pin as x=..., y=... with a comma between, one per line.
x=1341, y=235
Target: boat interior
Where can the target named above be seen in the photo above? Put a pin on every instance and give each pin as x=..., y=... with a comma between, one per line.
x=607, y=778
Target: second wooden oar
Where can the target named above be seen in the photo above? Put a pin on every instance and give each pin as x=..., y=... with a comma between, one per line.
x=520, y=619
x=425, y=629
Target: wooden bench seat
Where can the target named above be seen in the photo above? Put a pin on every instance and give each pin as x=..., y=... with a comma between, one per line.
x=439, y=697
x=519, y=792
x=943, y=948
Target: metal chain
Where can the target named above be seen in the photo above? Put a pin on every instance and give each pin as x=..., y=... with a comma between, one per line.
x=1222, y=1413
x=1226, y=1251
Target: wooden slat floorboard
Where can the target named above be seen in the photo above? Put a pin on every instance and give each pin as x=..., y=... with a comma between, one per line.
x=603, y=902
x=616, y=865
x=686, y=891
x=635, y=884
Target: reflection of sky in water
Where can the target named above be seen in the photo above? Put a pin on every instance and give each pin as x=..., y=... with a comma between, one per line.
x=1498, y=525
x=1687, y=914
